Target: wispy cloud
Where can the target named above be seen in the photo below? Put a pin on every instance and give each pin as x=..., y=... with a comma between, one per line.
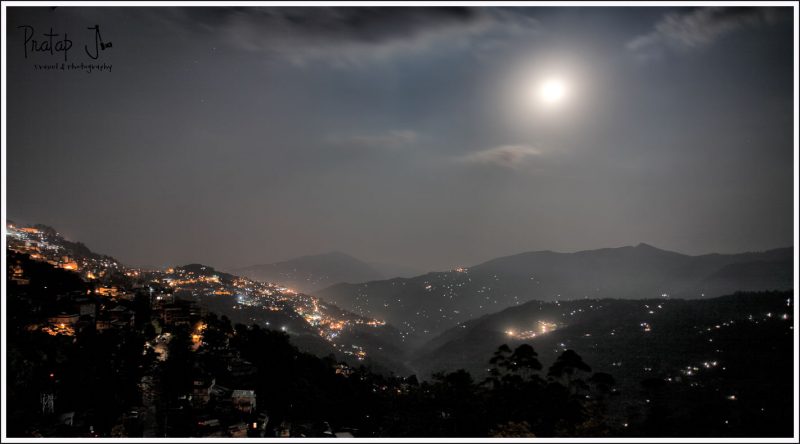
x=386, y=139
x=699, y=28
x=505, y=156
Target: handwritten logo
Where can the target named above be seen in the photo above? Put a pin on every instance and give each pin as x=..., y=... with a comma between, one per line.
x=53, y=44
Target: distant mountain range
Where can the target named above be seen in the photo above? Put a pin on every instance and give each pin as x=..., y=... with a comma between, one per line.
x=314, y=272
x=425, y=305
x=435, y=319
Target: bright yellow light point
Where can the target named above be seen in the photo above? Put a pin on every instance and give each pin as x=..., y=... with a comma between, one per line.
x=553, y=91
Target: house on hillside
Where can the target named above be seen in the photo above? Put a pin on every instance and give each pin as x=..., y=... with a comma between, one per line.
x=244, y=400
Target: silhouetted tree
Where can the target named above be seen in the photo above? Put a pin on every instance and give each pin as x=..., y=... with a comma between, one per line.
x=524, y=361
x=566, y=368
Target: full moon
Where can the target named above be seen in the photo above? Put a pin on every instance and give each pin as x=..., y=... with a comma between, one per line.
x=552, y=91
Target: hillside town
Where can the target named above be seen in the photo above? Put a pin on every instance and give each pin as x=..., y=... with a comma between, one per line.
x=100, y=294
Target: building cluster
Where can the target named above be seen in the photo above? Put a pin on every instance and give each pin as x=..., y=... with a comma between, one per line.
x=541, y=328
x=75, y=311
x=329, y=322
x=45, y=244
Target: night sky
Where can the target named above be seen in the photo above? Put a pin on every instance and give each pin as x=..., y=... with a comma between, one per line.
x=414, y=136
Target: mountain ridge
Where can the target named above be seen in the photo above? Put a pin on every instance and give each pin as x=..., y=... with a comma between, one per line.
x=430, y=303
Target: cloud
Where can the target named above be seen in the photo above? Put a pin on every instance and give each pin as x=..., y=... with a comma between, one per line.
x=506, y=156
x=697, y=29
x=387, y=139
x=346, y=35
